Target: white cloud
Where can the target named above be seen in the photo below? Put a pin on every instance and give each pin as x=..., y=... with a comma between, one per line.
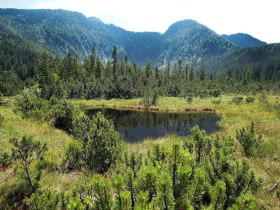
x=257, y=17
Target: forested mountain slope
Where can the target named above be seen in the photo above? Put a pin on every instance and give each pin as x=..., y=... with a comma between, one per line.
x=258, y=63
x=64, y=31
x=17, y=63
x=242, y=40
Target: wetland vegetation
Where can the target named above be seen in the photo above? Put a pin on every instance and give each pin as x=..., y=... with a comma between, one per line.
x=72, y=130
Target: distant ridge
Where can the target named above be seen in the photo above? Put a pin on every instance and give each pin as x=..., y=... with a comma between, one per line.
x=62, y=31
x=242, y=40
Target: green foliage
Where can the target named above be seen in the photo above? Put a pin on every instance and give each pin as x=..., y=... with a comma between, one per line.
x=164, y=198
x=276, y=107
x=218, y=195
x=237, y=100
x=73, y=156
x=44, y=200
x=189, y=99
x=75, y=203
x=30, y=105
x=1, y=120
x=250, y=100
x=101, y=189
x=216, y=93
x=5, y=159
x=17, y=64
x=27, y=151
x=13, y=195
x=250, y=142
x=63, y=113
x=245, y=201
x=142, y=201
x=197, y=172
x=100, y=142
x=278, y=193
x=251, y=64
x=24, y=64
x=216, y=102
x=118, y=186
x=150, y=98
x=243, y=40
x=202, y=143
x=63, y=31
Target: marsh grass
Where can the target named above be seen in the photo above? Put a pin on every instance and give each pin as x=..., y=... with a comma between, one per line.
x=233, y=117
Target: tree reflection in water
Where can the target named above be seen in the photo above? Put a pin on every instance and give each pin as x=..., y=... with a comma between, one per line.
x=135, y=126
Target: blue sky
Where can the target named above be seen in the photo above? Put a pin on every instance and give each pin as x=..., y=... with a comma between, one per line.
x=256, y=17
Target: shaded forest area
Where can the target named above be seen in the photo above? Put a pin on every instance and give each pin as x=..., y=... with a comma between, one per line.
x=24, y=65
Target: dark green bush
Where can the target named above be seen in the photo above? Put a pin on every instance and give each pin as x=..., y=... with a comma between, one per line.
x=189, y=99
x=250, y=142
x=150, y=98
x=63, y=113
x=237, y=99
x=278, y=193
x=45, y=200
x=12, y=195
x=29, y=104
x=216, y=92
x=5, y=159
x=74, y=156
x=250, y=100
x=100, y=143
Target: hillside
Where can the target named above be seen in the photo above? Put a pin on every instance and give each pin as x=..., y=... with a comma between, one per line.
x=261, y=63
x=17, y=63
x=242, y=40
x=63, y=31
x=189, y=39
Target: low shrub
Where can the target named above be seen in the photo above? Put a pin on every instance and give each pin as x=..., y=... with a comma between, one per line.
x=30, y=105
x=216, y=102
x=250, y=142
x=189, y=99
x=250, y=100
x=1, y=120
x=5, y=159
x=216, y=93
x=237, y=99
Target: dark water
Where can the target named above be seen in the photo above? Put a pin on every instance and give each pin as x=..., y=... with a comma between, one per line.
x=135, y=126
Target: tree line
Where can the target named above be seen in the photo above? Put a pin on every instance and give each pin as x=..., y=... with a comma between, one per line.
x=68, y=77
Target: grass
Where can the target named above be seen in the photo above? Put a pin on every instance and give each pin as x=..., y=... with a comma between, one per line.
x=233, y=117
x=16, y=127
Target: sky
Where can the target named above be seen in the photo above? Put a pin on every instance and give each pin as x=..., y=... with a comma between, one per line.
x=259, y=18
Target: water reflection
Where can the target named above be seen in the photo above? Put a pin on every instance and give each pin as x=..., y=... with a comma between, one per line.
x=135, y=126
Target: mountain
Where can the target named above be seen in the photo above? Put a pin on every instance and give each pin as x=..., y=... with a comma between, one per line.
x=189, y=39
x=17, y=63
x=261, y=63
x=63, y=31
x=242, y=40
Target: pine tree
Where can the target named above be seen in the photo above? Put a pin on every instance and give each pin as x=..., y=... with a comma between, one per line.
x=27, y=151
x=114, y=60
x=44, y=68
x=249, y=140
x=101, y=188
x=186, y=72
x=164, y=198
x=191, y=75
x=202, y=72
